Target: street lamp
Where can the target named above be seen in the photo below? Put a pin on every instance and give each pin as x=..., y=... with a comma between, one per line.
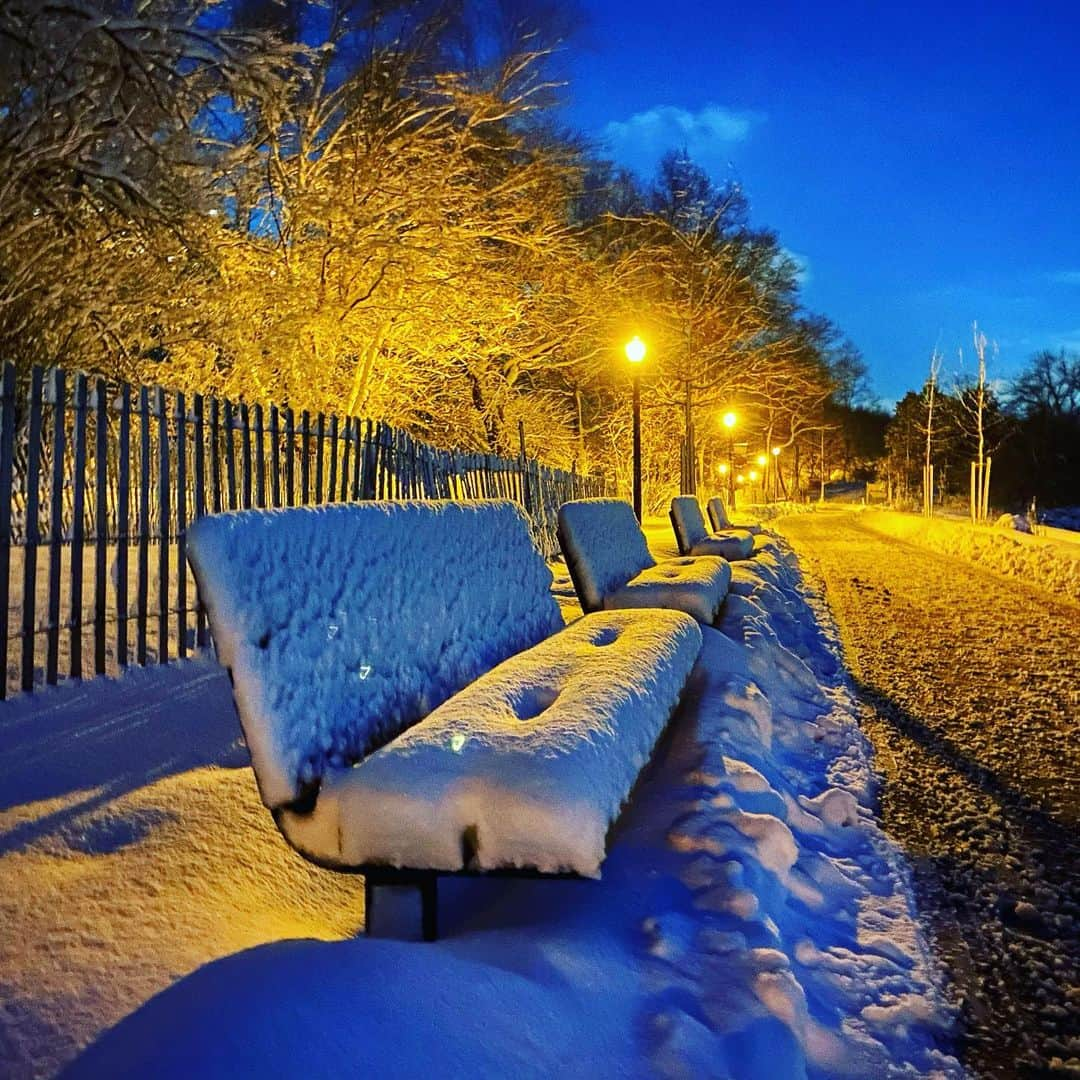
x=776, y=472
x=635, y=353
x=730, y=419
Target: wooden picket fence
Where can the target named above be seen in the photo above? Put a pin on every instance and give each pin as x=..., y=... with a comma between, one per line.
x=98, y=483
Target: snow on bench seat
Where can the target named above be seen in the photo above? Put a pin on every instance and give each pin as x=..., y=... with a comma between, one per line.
x=693, y=538
x=354, y=635
x=526, y=768
x=611, y=566
x=718, y=515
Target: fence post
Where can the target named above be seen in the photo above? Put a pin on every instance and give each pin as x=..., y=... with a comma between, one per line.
x=164, y=516
x=201, y=635
x=33, y=536
x=181, y=527
x=56, y=529
x=77, y=529
x=123, y=493
x=260, y=460
x=101, y=519
x=7, y=469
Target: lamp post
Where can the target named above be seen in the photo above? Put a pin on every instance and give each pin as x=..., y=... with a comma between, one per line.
x=730, y=419
x=635, y=353
x=763, y=461
x=776, y=472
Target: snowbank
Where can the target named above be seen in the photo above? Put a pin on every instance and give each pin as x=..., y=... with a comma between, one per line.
x=1041, y=560
x=752, y=921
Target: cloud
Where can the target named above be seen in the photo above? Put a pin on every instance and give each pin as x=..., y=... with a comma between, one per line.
x=803, y=272
x=706, y=134
x=1064, y=277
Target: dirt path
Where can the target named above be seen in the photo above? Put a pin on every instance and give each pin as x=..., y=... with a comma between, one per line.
x=971, y=691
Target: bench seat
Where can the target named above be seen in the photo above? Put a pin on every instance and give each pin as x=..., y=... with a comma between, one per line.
x=611, y=565
x=526, y=768
x=693, y=537
x=718, y=515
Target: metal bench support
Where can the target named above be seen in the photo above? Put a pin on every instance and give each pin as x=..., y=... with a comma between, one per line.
x=425, y=882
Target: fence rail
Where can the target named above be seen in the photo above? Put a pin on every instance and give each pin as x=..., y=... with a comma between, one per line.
x=98, y=483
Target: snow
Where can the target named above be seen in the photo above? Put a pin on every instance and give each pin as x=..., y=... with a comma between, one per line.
x=1043, y=561
x=344, y=624
x=613, y=568
x=689, y=525
x=718, y=515
x=605, y=543
x=694, y=584
x=525, y=768
x=753, y=920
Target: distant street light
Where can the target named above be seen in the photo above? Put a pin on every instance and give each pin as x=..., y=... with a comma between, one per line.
x=730, y=420
x=635, y=353
x=776, y=472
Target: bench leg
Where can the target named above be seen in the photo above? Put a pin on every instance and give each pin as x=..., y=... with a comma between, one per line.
x=429, y=906
x=426, y=884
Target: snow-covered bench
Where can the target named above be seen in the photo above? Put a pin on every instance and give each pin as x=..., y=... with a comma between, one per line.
x=718, y=515
x=410, y=698
x=611, y=566
x=693, y=537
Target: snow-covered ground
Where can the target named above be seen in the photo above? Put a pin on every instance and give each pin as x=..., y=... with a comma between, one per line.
x=1050, y=562
x=752, y=920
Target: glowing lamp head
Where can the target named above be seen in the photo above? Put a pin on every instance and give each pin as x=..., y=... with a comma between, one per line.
x=729, y=419
x=740, y=479
x=776, y=451
x=753, y=474
x=762, y=460
x=635, y=350
x=723, y=469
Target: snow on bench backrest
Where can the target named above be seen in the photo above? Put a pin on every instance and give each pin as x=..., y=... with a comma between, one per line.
x=689, y=524
x=343, y=625
x=603, y=545
x=718, y=513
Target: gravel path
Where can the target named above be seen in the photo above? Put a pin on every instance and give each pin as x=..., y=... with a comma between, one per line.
x=970, y=685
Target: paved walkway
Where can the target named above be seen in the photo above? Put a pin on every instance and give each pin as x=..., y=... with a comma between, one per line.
x=971, y=691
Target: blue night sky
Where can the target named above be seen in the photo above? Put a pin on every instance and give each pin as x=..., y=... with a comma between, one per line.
x=922, y=161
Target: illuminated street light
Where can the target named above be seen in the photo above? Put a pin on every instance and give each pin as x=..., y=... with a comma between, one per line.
x=729, y=420
x=762, y=460
x=635, y=353
x=753, y=475
x=722, y=469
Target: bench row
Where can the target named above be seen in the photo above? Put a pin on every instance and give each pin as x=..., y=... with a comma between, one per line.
x=410, y=698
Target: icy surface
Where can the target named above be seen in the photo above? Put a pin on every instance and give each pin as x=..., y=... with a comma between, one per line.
x=718, y=515
x=525, y=768
x=602, y=541
x=345, y=624
x=689, y=524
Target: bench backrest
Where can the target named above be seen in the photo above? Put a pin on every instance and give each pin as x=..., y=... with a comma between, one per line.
x=603, y=545
x=343, y=625
x=688, y=522
x=718, y=514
